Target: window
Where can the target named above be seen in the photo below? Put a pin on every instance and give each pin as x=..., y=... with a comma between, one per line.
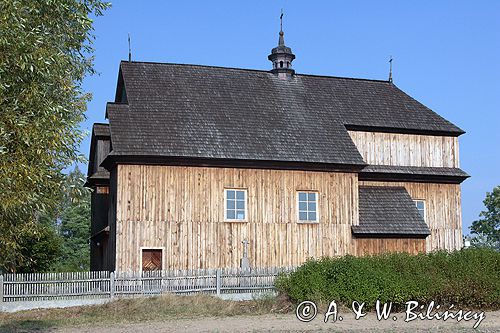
x=281, y=64
x=236, y=207
x=308, y=206
x=420, y=207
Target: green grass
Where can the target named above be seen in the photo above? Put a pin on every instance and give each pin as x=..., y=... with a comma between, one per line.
x=166, y=307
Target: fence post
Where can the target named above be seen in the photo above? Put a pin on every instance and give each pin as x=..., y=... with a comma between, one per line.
x=112, y=285
x=1, y=288
x=218, y=280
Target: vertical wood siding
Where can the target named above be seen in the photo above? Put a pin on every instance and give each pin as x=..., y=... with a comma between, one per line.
x=182, y=209
x=407, y=149
x=103, y=148
x=369, y=246
x=111, y=244
x=443, y=211
x=99, y=215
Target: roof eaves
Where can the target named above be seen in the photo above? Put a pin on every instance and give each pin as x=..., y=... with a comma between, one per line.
x=357, y=127
x=413, y=174
x=115, y=157
x=361, y=232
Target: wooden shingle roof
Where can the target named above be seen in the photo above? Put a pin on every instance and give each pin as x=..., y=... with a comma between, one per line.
x=95, y=172
x=236, y=114
x=388, y=211
x=100, y=130
x=410, y=173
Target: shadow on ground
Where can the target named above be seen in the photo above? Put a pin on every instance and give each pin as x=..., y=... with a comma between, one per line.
x=25, y=326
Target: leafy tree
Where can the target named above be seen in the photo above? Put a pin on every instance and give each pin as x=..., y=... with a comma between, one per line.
x=34, y=247
x=40, y=247
x=74, y=225
x=75, y=232
x=487, y=228
x=59, y=240
x=45, y=53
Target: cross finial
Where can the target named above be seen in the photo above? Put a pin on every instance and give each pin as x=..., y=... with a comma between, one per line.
x=281, y=39
x=390, y=69
x=281, y=20
x=245, y=248
x=129, y=50
x=245, y=262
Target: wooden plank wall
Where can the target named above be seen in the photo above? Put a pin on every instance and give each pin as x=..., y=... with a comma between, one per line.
x=443, y=211
x=99, y=207
x=103, y=148
x=182, y=210
x=99, y=219
x=407, y=149
x=369, y=246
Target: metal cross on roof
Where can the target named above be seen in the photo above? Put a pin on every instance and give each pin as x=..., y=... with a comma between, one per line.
x=129, y=50
x=281, y=20
x=390, y=69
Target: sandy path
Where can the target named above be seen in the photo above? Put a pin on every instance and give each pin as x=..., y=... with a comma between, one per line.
x=289, y=323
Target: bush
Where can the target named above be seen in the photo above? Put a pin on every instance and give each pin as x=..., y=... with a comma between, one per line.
x=468, y=278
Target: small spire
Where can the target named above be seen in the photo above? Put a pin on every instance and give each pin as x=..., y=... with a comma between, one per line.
x=390, y=69
x=281, y=56
x=129, y=50
x=281, y=20
x=281, y=39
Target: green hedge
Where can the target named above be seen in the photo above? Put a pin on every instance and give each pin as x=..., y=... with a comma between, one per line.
x=468, y=278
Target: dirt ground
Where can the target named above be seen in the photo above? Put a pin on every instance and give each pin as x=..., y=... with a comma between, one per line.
x=289, y=323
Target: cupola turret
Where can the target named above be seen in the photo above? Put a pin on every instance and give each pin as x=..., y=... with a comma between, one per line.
x=282, y=56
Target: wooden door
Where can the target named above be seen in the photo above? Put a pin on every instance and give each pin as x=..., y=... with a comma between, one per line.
x=152, y=260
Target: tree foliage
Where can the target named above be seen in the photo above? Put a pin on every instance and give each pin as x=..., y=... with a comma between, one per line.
x=45, y=52
x=32, y=247
x=58, y=241
x=467, y=278
x=40, y=247
x=74, y=225
x=487, y=228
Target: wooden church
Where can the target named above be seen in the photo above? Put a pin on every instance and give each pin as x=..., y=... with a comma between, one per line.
x=198, y=161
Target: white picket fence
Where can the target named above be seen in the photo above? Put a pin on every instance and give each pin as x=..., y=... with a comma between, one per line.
x=106, y=285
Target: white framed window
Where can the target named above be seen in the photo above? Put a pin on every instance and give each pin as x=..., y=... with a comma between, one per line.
x=420, y=204
x=235, y=204
x=307, y=204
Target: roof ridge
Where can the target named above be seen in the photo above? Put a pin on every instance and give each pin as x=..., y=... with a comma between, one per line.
x=346, y=78
x=392, y=187
x=255, y=70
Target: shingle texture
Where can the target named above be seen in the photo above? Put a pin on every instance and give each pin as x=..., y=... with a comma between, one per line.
x=388, y=211
x=413, y=170
x=224, y=113
x=96, y=172
x=100, y=174
x=101, y=129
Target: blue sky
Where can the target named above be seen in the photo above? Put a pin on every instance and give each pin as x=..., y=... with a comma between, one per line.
x=446, y=55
